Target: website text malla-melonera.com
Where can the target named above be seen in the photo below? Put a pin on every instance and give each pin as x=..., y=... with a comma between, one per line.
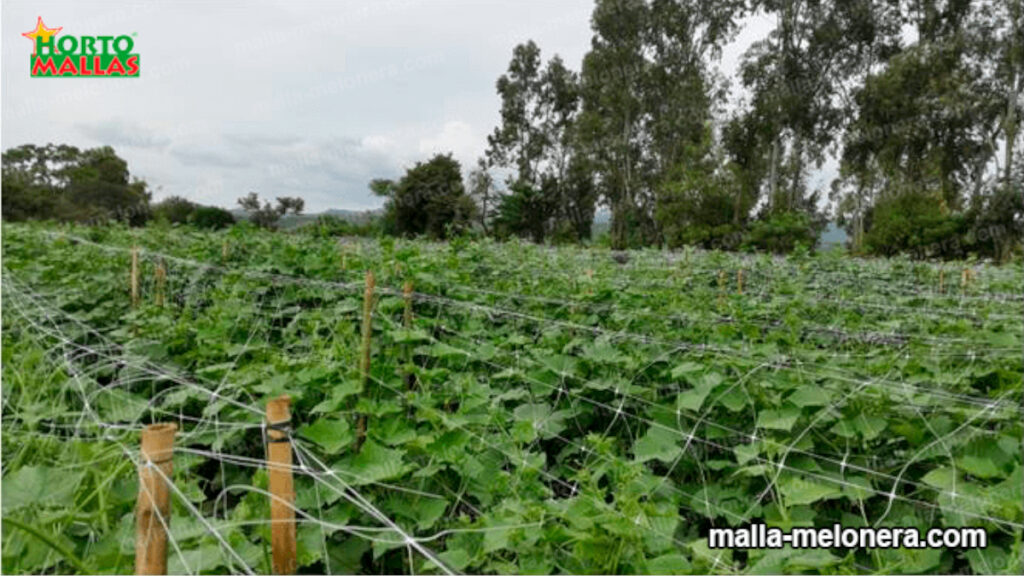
x=761, y=536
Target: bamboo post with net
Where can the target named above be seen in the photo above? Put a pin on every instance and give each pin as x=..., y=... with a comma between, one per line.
x=281, y=485
x=153, y=507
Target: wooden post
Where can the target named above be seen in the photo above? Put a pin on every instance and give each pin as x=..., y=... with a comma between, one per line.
x=407, y=296
x=410, y=379
x=963, y=281
x=721, y=288
x=134, y=277
x=942, y=281
x=153, y=507
x=161, y=281
x=364, y=351
x=739, y=281
x=282, y=489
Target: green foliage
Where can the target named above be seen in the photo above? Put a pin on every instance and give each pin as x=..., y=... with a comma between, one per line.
x=174, y=210
x=782, y=232
x=551, y=191
x=64, y=183
x=703, y=203
x=916, y=223
x=211, y=218
x=178, y=210
x=267, y=216
x=522, y=212
x=327, y=226
x=429, y=200
x=565, y=413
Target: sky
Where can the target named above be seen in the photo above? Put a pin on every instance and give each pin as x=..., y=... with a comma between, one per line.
x=293, y=98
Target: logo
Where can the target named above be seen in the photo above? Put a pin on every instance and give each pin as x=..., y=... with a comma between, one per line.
x=81, y=56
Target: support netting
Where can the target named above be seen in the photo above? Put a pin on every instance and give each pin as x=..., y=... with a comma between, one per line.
x=522, y=412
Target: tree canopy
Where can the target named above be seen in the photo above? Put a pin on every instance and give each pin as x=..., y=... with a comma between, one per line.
x=65, y=183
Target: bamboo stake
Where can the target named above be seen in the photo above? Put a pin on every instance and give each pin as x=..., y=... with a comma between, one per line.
x=407, y=296
x=134, y=277
x=739, y=281
x=364, y=356
x=721, y=288
x=410, y=379
x=364, y=352
x=161, y=281
x=282, y=489
x=224, y=251
x=942, y=281
x=963, y=281
x=153, y=507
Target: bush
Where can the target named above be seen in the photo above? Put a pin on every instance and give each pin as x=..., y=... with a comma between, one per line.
x=327, y=226
x=178, y=210
x=781, y=233
x=211, y=218
x=174, y=210
x=917, y=223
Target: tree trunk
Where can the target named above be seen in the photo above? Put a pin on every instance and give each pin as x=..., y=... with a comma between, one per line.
x=1013, y=88
x=797, y=178
x=1010, y=129
x=773, y=177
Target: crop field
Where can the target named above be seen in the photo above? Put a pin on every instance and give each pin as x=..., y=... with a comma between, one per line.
x=519, y=409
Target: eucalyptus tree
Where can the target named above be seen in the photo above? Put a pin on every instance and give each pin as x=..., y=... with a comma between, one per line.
x=647, y=101
x=799, y=78
x=537, y=141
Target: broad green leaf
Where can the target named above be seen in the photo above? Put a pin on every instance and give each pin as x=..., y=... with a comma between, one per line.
x=783, y=419
x=797, y=490
x=668, y=564
x=39, y=486
x=810, y=395
x=657, y=444
x=374, y=463
x=330, y=434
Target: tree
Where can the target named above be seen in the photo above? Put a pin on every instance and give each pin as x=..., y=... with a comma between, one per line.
x=925, y=125
x=647, y=100
x=701, y=202
x=520, y=142
x=537, y=141
x=429, y=200
x=481, y=190
x=267, y=215
x=65, y=183
x=579, y=197
x=612, y=119
x=516, y=213
x=799, y=78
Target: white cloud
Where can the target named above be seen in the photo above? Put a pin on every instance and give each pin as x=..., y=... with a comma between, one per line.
x=456, y=137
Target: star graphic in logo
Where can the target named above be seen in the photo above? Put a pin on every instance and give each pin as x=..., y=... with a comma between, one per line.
x=41, y=31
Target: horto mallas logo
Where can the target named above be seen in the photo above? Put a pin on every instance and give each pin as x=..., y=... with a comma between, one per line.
x=81, y=56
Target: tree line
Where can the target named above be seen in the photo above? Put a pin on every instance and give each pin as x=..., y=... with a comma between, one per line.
x=94, y=186
x=917, y=102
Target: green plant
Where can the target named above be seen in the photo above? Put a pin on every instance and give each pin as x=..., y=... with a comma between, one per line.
x=545, y=410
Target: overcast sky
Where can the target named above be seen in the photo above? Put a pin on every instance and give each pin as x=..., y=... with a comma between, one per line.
x=310, y=99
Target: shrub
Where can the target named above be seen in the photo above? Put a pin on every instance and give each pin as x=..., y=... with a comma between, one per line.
x=781, y=233
x=174, y=210
x=917, y=223
x=211, y=218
